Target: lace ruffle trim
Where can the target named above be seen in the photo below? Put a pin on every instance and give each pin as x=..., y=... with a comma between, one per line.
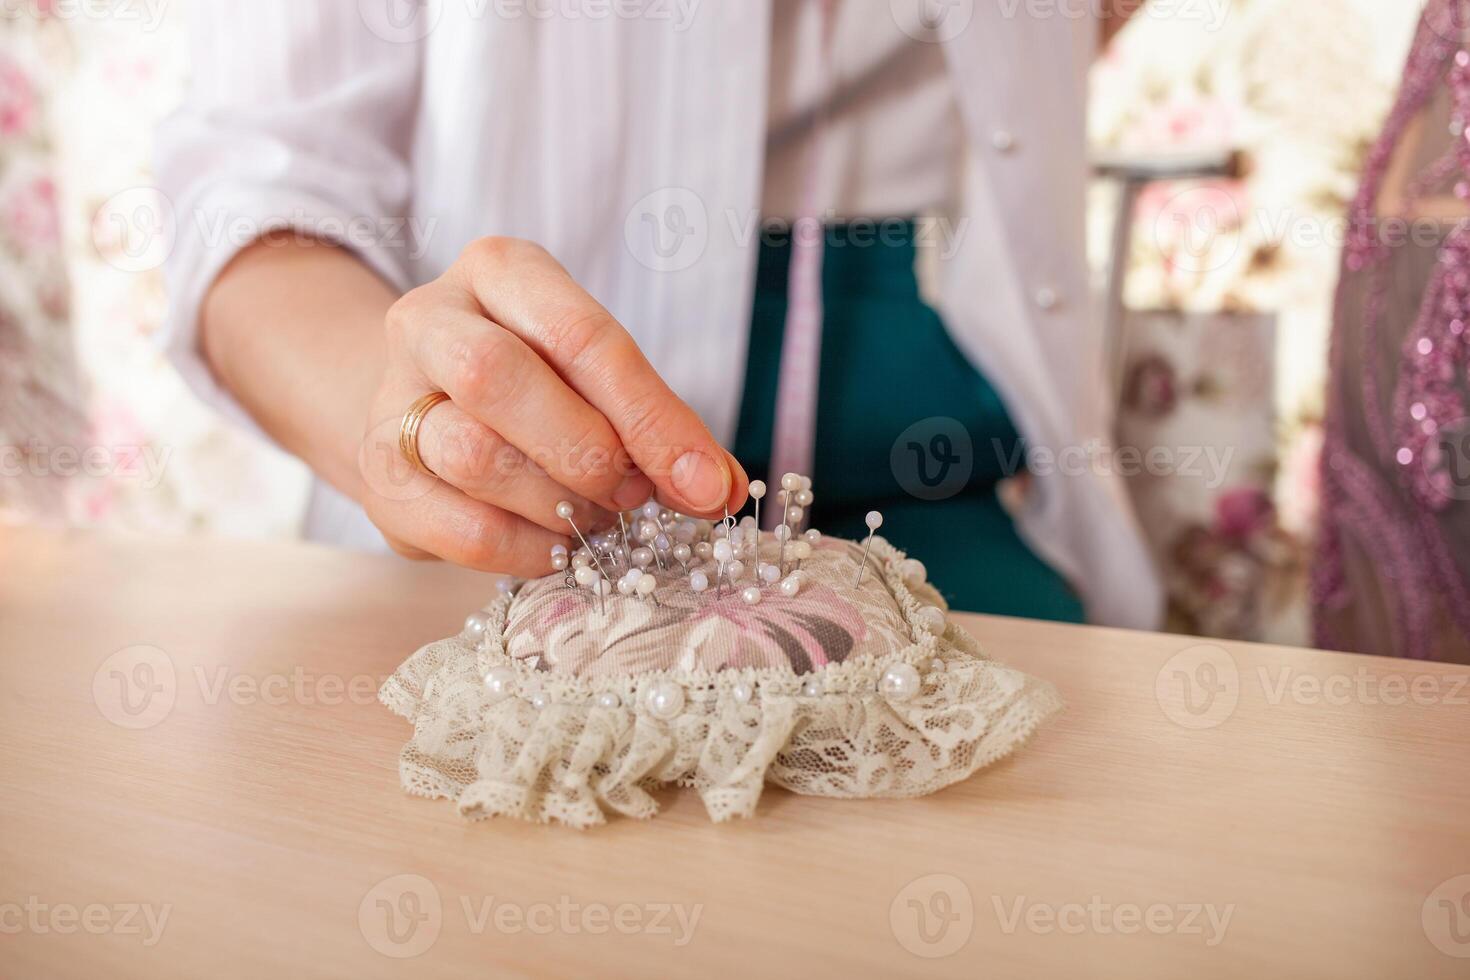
x=562, y=748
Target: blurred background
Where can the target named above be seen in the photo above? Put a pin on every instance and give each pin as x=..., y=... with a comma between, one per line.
x=1229, y=136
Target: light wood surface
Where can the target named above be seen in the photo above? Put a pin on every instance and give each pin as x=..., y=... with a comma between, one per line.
x=263, y=808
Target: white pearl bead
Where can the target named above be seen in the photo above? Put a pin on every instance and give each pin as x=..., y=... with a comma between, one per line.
x=791, y=587
x=682, y=553
x=899, y=682
x=735, y=568
x=662, y=542
x=559, y=562
x=783, y=532
x=751, y=595
x=580, y=560
x=936, y=665
x=794, y=514
x=742, y=692
x=698, y=581
x=665, y=700
x=812, y=688
x=475, y=625
x=804, y=498
x=874, y=520
x=651, y=509
x=723, y=551
x=802, y=550
x=646, y=585
x=602, y=586
x=643, y=557
x=932, y=617
x=558, y=549
x=585, y=576
x=505, y=586
x=539, y=701
x=564, y=510
x=813, y=536
x=770, y=574
x=806, y=483
x=791, y=483
x=609, y=699
x=703, y=550
x=626, y=587
x=500, y=682
x=913, y=570
x=757, y=489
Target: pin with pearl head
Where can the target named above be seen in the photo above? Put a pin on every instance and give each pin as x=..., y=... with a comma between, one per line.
x=561, y=561
x=564, y=511
x=723, y=553
x=757, y=492
x=623, y=526
x=874, y=520
x=790, y=485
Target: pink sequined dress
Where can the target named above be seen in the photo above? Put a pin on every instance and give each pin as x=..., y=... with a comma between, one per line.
x=1393, y=557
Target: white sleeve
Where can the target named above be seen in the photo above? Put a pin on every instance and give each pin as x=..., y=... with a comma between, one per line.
x=298, y=119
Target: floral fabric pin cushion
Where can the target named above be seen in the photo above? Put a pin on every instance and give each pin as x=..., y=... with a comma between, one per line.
x=666, y=652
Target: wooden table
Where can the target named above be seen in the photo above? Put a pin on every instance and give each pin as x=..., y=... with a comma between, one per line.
x=188, y=729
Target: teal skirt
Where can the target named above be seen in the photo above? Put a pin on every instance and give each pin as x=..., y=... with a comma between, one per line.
x=905, y=426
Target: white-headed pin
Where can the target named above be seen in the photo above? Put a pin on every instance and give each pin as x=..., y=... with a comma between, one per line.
x=564, y=511
x=757, y=492
x=874, y=520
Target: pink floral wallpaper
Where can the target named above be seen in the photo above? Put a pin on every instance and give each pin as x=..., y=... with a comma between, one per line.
x=101, y=431
x=1231, y=280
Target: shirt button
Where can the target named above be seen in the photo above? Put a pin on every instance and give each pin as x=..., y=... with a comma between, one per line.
x=1003, y=140
x=1047, y=298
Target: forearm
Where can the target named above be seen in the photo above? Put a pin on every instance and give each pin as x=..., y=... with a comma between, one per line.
x=295, y=331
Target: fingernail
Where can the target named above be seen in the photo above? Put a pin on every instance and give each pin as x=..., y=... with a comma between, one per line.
x=701, y=481
x=633, y=492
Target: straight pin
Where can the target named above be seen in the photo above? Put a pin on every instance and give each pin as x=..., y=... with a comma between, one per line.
x=757, y=491
x=874, y=520
x=564, y=511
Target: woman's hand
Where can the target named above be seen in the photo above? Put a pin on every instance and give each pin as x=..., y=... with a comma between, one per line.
x=550, y=399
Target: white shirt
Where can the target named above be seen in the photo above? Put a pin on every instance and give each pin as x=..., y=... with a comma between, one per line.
x=891, y=128
x=628, y=139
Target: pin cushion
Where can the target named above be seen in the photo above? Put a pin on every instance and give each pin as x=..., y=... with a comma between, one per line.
x=709, y=656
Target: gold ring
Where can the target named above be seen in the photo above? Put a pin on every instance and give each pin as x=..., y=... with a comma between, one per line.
x=408, y=433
